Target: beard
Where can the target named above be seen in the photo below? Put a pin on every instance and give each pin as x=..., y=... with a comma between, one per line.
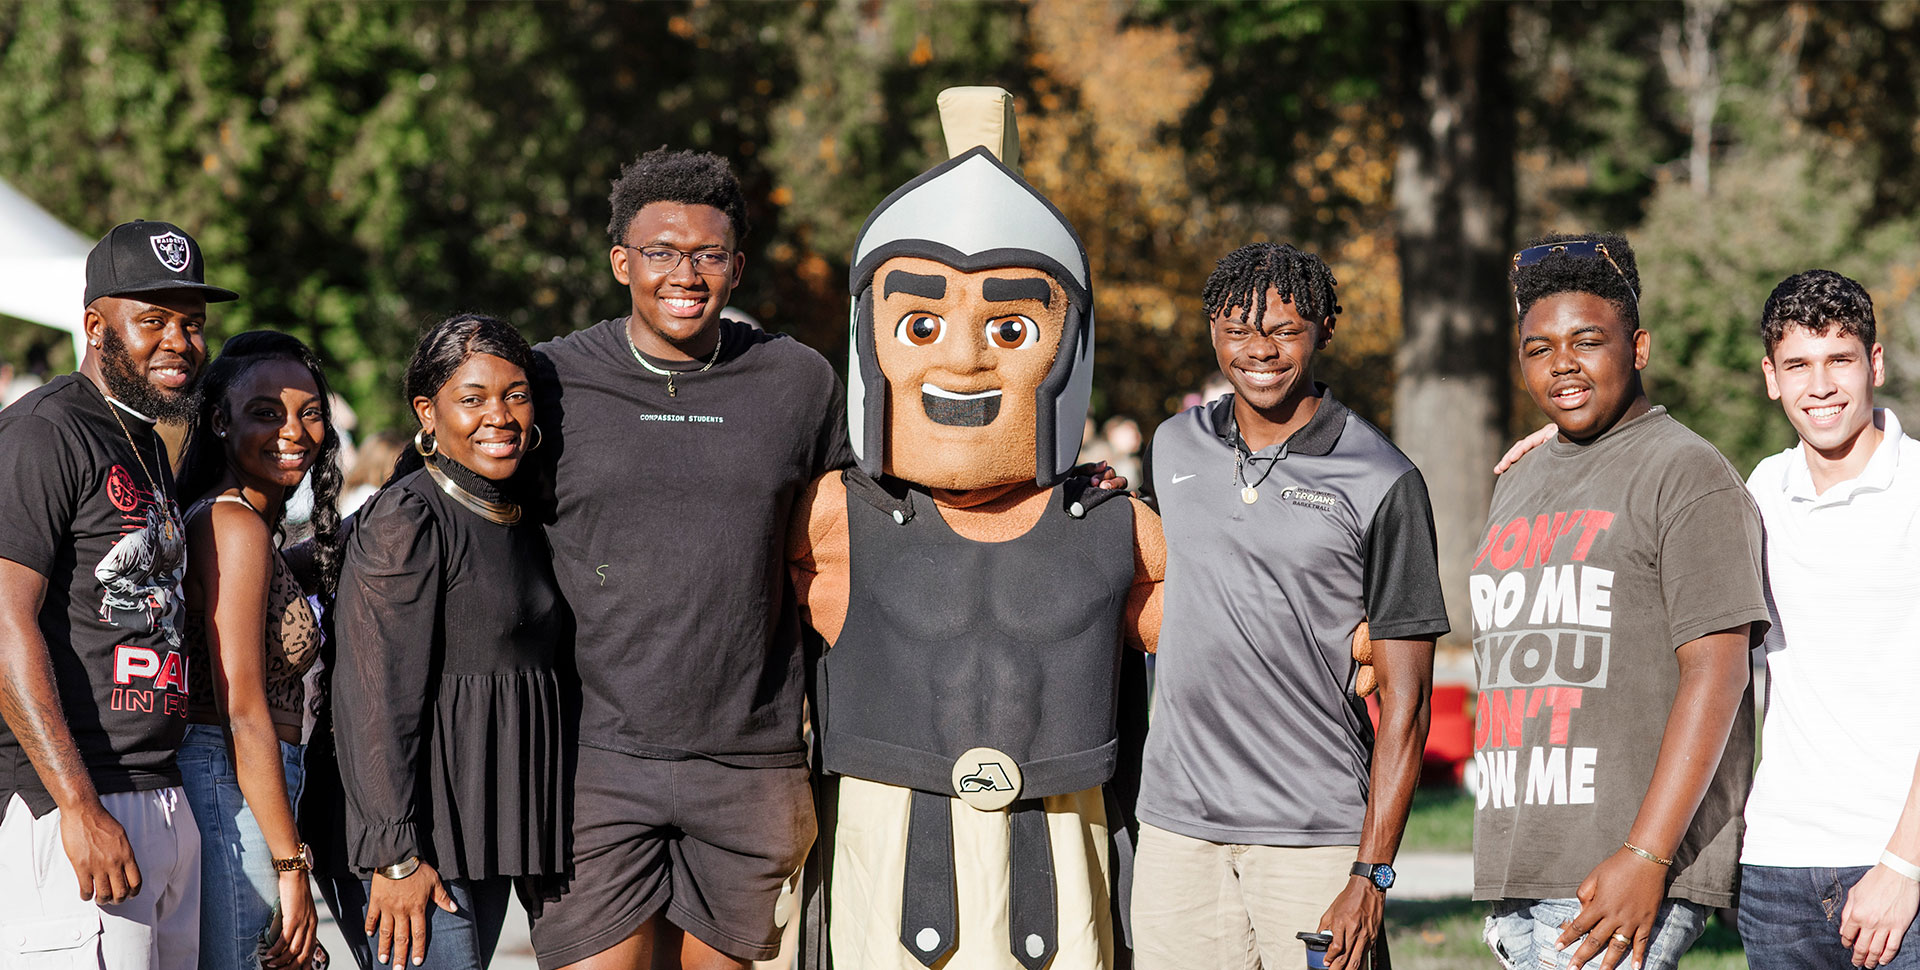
x=133, y=389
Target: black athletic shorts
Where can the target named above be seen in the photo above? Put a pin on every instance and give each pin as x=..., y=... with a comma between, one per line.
x=707, y=844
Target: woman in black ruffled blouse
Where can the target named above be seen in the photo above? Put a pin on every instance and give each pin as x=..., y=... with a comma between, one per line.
x=446, y=709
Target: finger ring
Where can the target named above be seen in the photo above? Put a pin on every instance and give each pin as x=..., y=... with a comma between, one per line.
x=1622, y=940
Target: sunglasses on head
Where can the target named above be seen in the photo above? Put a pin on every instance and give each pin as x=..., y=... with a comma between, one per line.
x=1577, y=248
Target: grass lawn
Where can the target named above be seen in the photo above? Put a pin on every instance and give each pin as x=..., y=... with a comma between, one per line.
x=1441, y=821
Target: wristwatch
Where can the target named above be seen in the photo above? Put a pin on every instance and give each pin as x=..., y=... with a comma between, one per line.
x=401, y=869
x=300, y=861
x=1378, y=873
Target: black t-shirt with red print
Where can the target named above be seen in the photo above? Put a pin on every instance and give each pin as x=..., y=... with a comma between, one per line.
x=83, y=510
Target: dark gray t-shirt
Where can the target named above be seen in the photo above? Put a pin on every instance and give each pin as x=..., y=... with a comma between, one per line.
x=1599, y=561
x=1257, y=738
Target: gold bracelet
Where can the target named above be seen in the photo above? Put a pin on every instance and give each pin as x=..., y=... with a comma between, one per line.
x=300, y=861
x=1644, y=854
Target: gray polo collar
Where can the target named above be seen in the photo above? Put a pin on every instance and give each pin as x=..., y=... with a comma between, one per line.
x=1316, y=439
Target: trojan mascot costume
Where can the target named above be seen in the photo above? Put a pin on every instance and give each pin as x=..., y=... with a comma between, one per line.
x=976, y=602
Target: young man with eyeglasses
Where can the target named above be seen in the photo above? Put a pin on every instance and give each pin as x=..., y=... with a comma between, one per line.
x=1615, y=598
x=675, y=444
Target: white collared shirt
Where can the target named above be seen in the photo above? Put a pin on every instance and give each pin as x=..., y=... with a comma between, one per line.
x=1842, y=728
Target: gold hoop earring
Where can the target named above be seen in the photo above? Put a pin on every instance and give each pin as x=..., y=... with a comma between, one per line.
x=421, y=449
x=536, y=439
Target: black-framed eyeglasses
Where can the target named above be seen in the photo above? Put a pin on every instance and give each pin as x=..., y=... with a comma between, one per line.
x=1579, y=249
x=666, y=259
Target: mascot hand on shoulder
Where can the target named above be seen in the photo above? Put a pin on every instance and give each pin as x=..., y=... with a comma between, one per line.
x=977, y=603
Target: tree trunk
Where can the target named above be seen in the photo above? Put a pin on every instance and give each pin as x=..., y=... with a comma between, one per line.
x=1454, y=200
x=1693, y=68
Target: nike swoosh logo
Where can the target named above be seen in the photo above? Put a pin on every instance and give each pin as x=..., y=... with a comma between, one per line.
x=1177, y=479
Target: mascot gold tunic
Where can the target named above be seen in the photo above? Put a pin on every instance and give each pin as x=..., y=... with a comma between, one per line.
x=975, y=601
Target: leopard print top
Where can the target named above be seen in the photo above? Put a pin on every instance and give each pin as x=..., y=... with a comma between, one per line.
x=292, y=643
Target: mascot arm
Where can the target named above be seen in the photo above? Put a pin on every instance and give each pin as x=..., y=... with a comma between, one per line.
x=818, y=555
x=1149, y=571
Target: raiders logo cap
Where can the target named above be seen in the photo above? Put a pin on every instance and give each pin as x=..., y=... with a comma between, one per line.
x=147, y=257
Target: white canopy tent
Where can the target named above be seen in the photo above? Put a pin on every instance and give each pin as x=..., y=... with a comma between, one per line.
x=43, y=266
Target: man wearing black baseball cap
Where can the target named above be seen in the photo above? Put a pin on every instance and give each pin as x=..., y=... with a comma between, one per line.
x=93, y=685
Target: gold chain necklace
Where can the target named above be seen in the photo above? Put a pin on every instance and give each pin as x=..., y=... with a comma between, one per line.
x=669, y=374
x=499, y=513
x=160, y=496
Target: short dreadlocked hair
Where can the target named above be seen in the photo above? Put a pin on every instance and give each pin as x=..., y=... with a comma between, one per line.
x=1242, y=278
x=686, y=177
x=1817, y=299
x=1559, y=273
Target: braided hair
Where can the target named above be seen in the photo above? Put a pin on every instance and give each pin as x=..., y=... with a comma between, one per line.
x=1243, y=277
x=1559, y=273
x=206, y=459
x=686, y=177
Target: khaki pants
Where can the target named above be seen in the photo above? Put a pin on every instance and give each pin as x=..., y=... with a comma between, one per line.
x=1200, y=905
x=45, y=925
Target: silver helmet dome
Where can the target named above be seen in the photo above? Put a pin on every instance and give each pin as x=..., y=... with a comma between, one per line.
x=973, y=213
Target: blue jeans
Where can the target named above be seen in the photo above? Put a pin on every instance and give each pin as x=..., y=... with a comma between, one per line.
x=460, y=940
x=239, y=888
x=1523, y=932
x=1791, y=918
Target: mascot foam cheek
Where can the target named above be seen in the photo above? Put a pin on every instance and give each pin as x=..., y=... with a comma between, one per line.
x=964, y=356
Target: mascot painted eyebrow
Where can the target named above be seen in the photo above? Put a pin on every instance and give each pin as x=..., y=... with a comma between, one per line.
x=977, y=602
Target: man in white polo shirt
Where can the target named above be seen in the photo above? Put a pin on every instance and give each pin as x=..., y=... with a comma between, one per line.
x=1830, y=871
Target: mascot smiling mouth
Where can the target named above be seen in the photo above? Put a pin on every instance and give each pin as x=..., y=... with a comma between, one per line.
x=976, y=410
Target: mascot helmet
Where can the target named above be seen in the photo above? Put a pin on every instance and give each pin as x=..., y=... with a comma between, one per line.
x=972, y=213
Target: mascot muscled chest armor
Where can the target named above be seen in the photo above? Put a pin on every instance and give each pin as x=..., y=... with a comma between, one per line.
x=976, y=602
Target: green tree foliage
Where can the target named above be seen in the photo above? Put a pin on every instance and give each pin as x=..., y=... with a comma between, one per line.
x=360, y=170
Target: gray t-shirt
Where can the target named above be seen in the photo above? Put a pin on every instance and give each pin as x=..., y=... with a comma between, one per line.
x=1257, y=738
x=1599, y=561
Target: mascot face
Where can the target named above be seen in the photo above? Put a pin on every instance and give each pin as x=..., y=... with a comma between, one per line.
x=964, y=355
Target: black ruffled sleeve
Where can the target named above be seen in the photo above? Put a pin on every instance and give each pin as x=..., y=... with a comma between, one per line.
x=387, y=619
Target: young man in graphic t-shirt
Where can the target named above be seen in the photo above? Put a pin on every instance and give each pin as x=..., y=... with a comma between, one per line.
x=99, y=856
x=1615, y=598
x=1830, y=873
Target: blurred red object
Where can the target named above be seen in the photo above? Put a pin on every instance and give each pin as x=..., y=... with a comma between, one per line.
x=1449, y=734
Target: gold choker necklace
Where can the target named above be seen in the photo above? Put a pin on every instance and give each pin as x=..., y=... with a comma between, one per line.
x=500, y=513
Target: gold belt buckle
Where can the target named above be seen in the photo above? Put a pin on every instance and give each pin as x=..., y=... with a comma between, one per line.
x=986, y=778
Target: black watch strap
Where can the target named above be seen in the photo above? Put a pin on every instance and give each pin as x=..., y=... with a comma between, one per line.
x=1380, y=874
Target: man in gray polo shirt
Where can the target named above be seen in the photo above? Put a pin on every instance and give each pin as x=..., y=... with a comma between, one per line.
x=1268, y=806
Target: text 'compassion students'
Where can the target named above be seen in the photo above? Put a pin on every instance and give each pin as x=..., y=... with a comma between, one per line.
x=446, y=707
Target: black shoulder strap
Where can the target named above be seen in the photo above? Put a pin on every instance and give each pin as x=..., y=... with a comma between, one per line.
x=888, y=494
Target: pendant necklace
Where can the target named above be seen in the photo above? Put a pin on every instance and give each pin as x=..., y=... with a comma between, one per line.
x=1250, y=491
x=159, y=494
x=499, y=513
x=669, y=374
